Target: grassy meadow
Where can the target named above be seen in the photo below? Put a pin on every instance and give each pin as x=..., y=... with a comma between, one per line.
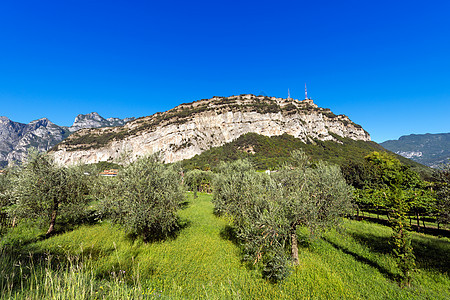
x=100, y=261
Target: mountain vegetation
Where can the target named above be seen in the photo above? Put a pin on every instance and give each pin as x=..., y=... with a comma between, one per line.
x=428, y=149
x=270, y=153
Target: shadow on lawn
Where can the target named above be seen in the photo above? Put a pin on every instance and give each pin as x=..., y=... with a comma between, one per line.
x=430, y=252
x=154, y=234
x=229, y=233
x=388, y=274
x=427, y=230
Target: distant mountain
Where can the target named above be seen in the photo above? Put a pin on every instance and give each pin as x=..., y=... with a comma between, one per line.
x=428, y=149
x=94, y=120
x=16, y=138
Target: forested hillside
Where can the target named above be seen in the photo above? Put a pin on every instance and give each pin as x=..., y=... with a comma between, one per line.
x=271, y=152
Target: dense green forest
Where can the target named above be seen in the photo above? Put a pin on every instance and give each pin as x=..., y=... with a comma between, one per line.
x=272, y=152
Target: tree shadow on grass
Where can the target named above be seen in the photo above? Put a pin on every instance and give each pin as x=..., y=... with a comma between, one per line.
x=427, y=230
x=229, y=233
x=375, y=243
x=430, y=252
x=388, y=274
x=154, y=235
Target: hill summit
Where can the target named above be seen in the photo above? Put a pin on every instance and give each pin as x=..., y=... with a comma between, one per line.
x=191, y=128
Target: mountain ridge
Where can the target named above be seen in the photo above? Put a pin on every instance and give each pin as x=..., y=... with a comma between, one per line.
x=191, y=128
x=16, y=138
x=428, y=149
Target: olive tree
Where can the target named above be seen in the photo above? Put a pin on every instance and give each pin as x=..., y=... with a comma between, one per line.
x=145, y=198
x=5, y=198
x=5, y=189
x=314, y=196
x=198, y=181
x=44, y=190
x=267, y=209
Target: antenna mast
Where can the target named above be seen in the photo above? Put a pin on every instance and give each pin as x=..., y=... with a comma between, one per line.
x=289, y=94
x=306, y=93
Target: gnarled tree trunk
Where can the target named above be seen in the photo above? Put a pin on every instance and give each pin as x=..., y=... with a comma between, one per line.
x=294, y=247
x=53, y=219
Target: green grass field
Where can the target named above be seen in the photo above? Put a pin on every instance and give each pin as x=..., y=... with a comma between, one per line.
x=101, y=262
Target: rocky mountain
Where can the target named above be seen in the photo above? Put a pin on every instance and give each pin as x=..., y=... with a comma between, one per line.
x=94, y=120
x=16, y=138
x=189, y=129
x=428, y=149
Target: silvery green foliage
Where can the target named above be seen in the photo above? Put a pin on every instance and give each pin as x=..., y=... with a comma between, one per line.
x=145, y=198
x=42, y=189
x=5, y=190
x=266, y=209
x=251, y=199
x=198, y=180
x=314, y=196
x=443, y=195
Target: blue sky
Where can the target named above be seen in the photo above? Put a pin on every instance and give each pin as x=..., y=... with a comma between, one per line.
x=385, y=64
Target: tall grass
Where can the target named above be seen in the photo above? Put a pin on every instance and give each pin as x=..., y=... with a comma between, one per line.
x=102, y=262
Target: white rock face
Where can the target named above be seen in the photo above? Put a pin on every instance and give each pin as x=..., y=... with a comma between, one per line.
x=211, y=123
x=94, y=120
x=409, y=154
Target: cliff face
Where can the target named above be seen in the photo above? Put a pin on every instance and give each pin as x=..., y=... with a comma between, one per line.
x=16, y=138
x=190, y=129
x=94, y=120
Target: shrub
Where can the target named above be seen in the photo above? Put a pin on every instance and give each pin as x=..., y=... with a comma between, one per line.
x=145, y=198
x=44, y=191
x=266, y=210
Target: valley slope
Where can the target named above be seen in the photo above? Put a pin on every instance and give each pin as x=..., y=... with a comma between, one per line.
x=429, y=149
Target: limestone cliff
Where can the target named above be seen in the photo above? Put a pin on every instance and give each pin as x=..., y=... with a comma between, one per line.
x=192, y=128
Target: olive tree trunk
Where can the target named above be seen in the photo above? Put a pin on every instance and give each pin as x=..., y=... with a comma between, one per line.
x=294, y=247
x=53, y=218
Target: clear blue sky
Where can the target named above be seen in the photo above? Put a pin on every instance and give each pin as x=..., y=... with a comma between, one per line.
x=385, y=64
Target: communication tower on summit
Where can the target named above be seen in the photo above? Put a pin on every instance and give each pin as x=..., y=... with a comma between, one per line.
x=306, y=93
x=289, y=95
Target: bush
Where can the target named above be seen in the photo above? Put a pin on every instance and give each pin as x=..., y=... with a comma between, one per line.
x=198, y=181
x=145, y=198
x=266, y=210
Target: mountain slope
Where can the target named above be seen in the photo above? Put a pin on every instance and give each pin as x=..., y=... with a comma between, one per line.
x=428, y=149
x=16, y=138
x=189, y=129
x=271, y=152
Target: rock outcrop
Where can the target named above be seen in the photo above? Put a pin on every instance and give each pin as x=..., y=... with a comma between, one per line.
x=16, y=138
x=94, y=120
x=192, y=128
